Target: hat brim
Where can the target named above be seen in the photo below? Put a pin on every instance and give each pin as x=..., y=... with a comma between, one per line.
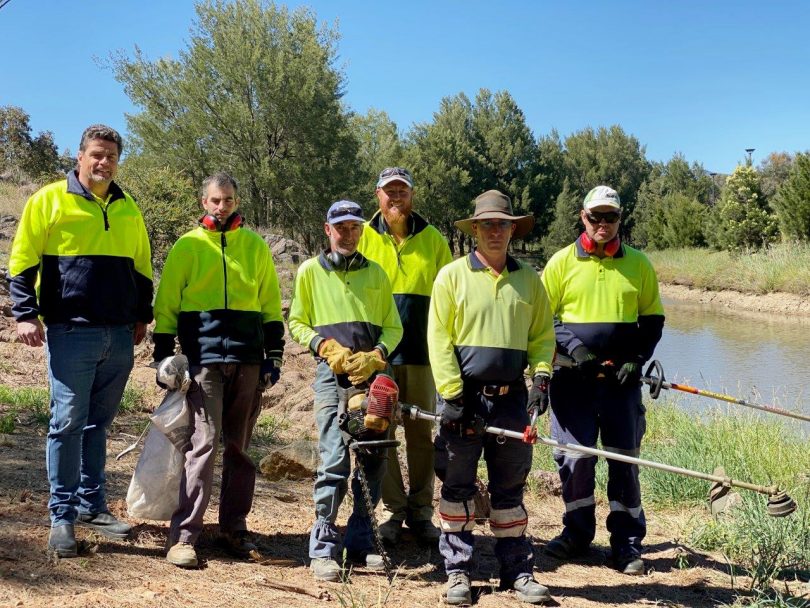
x=345, y=218
x=523, y=223
x=608, y=204
x=394, y=178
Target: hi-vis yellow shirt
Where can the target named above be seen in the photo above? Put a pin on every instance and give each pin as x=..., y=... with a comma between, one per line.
x=78, y=259
x=487, y=328
x=355, y=307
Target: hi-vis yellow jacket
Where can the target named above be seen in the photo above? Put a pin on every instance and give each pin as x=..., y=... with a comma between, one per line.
x=485, y=328
x=219, y=294
x=411, y=266
x=77, y=259
x=355, y=306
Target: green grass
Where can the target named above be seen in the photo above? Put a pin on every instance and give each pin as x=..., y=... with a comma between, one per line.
x=784, y=267
x=31, y=405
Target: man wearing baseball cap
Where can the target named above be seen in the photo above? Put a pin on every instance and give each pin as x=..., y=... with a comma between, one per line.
x=489, y=320
x=343, y=311
x=411, y=251
x=609, y=318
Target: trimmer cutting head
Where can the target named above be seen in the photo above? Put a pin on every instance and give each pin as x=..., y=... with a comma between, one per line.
x=780, y=505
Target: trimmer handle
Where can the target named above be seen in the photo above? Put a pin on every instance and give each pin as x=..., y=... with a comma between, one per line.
x=656, y=381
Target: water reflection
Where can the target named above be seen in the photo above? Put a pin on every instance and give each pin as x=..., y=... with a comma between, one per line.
x=761, y=358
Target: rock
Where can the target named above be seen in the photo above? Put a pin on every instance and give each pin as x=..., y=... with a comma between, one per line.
x=546, y=482
x=295, y=461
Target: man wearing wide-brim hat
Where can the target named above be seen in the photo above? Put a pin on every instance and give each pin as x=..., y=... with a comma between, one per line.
x=489, y=320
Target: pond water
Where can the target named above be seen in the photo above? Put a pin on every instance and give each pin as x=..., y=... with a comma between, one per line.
x=760, y=358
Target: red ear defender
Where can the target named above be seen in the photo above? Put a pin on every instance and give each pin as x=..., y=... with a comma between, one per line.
x=611, y=247
x=210, y=222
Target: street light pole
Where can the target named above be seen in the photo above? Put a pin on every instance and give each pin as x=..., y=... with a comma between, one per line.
x=750, y=152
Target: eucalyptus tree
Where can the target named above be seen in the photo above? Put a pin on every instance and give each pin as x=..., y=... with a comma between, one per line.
x=378, y=146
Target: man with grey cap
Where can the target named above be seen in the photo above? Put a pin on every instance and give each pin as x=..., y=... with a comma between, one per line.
x=411, y=252
x=489, y=320
x=608, y=319
x=343, y=311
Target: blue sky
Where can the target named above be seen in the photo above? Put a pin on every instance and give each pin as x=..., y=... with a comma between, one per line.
x=707, y=79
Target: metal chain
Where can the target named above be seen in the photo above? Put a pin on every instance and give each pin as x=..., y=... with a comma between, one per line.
x=378, y=541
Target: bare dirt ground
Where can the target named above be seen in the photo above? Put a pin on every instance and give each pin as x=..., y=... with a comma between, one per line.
x=134, y=573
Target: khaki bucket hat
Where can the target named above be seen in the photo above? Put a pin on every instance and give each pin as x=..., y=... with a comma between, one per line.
x=495, y=205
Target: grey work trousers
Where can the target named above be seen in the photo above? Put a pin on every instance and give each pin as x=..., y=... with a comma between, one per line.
x=224, y=399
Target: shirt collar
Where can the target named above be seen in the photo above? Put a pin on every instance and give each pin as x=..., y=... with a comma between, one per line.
x=74, y=186
x=475, y=264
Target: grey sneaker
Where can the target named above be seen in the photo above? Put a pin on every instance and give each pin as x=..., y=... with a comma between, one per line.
x=182, y=555
x=325, y=569
x=530, y=591
x=631, y=565
x=370, y=561
x=391, y=531
x=62, y=541
x=458, y=589
x=104, y=523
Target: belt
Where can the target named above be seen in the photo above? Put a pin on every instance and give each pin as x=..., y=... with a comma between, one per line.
x=499, y=390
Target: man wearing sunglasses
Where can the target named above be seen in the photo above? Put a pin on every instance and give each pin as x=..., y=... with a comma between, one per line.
x=411, y=252
x=608, y=318
x=489, y=320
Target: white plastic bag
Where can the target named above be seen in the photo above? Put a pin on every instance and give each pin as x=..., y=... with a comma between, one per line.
x=154, y=491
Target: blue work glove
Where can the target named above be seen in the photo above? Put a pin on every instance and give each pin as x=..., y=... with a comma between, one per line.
x=538, y=393
x=269, y=373
x=586, y=361
x=629, y=373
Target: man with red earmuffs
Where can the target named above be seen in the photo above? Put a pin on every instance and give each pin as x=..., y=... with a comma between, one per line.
x=608, y=318
x=219, y=295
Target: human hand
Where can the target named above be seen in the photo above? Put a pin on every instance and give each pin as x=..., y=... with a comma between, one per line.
x=335, y=355
x=172, y=373
x=269, y=373
x=139, y=333
x=31, y=332
x=629, y=373
x=586, y=361
x=361, y=365
x=538, y=393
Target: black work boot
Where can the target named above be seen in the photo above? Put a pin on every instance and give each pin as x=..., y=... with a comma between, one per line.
x=238, y=544
x=62, y=541
x=104, y=523
x=564, y=547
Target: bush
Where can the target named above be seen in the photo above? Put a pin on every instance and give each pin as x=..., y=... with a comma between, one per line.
x=792, y=201
x=742, y=221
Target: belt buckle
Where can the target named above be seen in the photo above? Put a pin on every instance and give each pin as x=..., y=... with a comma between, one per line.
x=494, y=390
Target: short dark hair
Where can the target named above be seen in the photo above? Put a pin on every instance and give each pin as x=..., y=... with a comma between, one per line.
x=220, y=178
x=101, y=132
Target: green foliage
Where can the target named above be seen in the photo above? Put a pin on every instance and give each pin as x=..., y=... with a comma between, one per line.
x=607, y=156
x=783, y=267
x=565, y=227
x=27, y=403
x=443, y=159
x=792, y=201
x=133, y=400
x=379, y=146
x=30, y=157
x=671, y=207
x=167, y=199
x=254, y=93
x=741, y=221
x=773, y=172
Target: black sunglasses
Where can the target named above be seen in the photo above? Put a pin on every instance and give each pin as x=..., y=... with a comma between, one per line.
x=395, y=171
x=611, y=217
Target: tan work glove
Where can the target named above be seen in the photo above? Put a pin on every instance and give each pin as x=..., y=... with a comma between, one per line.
x=335, y=354
x=361, y=365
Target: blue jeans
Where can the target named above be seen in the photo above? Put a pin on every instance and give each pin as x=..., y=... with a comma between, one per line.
x=88, y=368
x=332, y=478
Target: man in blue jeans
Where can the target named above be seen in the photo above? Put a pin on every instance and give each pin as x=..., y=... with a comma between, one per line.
x=84, y=240
x=343, y=310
